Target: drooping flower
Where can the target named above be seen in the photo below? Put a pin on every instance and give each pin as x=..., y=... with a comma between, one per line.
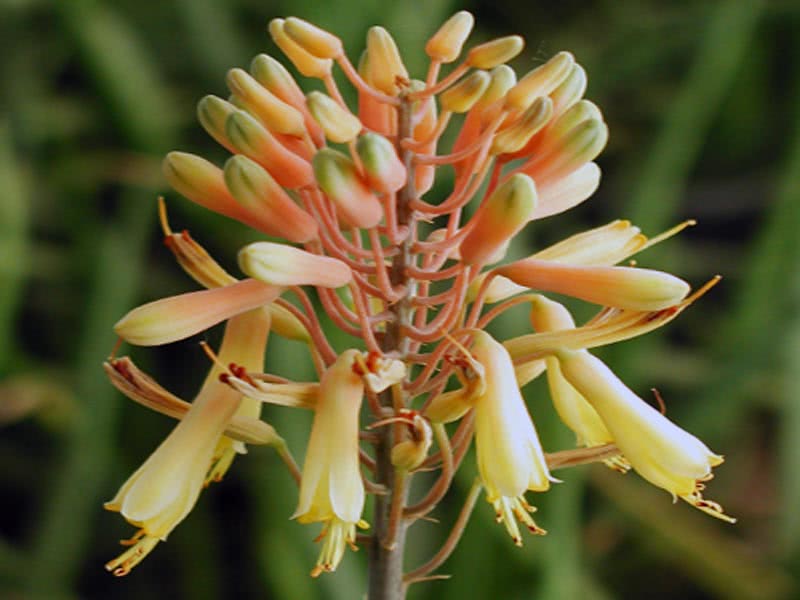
x=164, y=489
x=331, y=490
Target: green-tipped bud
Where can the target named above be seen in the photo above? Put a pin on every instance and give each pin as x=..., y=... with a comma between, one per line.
x=312, y=39
x=308, y=64
x=282, y=265
x=273, y=75
x=496, y=52
x=274, y=113
x=463, y=95
x=446, y=44
x=252, y=139
x=570, y=91
x=540, y=82
x=514, y=137
x=581, y=144
x=270, y=209
x=212, y=112
x=503, y=79
x=385, y=65
x=200, y=181
x=338, y=177
x=505, y=213
x=340, y=125
x=382, y=167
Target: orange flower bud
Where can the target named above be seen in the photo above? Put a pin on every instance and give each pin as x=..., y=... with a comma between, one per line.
x=505, y=213
x=385, y=64
x=338, y=178
x=446, y=44
x=491, y=54
x=201, y=182
x=212, y=113
x=462, y=96
x=254, y=141
x=516, y=135
x=312, y=39
x=178, y=317
x=540, y=82
x=308, y=64
x=339, y=124
x=382, y=167
x=269, y=208
x=274, y=113
x=282, y=265
x=621, y=287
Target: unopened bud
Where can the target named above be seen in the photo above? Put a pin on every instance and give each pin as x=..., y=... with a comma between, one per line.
x=252, y=139
x=340, y=125
x=270, y=209
x=570, y=90
x=505, y=213
x=409, y=454
x=312, y=39
x=308, y=64
x=463, y=95
x=277, y=115
x=385, y=65
x=580, y=145
x=515, y=136
x=338, y=178
x=279, y=264
x=178, y=317
x=620, y=287
x=382, y=167
x=200, y=181
x=273, y=75
x=496, y=52
x=446, y=44
x=212, y=112
x=503, y=79
x=578, y=113
x=540, y=82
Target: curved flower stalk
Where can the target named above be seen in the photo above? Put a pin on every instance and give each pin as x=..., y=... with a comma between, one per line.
x=344, y=192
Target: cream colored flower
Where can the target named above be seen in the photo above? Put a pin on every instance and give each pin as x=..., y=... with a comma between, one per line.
x=510, y=456
x=660, y=451
x=164, y=489
x=331, y=490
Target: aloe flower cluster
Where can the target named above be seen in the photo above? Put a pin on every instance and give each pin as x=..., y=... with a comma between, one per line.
x=342, y=196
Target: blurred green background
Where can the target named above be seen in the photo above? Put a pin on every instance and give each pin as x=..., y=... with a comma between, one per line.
x=702, y=99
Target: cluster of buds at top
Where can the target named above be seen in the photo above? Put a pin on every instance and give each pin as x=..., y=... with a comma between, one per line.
x=412, y=280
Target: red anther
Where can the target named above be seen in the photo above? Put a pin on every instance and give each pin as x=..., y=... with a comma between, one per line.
x=121, y=367
x=358, y=369
x=169, y=242
x=372, y=361
x=225, y=378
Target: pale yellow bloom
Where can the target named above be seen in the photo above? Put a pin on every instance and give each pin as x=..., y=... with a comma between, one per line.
x=331, y=489
x=510, y=456
x=660, y=451
x=164, y=489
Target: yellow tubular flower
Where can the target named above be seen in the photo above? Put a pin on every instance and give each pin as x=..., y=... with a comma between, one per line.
x=165, y=488
x=510, y=456
x=331, y=490
x=660, y=451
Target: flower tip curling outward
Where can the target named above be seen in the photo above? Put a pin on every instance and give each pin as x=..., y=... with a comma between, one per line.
x=660, y=451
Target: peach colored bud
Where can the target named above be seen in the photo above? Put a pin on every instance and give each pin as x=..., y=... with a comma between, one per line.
x=308, y=64
x=496, y=52
x=279, y=264
x=201, y=182
x=382, y=167
x=505, y=213
x=385, y=64
x=254, y=141
x=516, y=135
x=340, y=125
x=338, y=178
x=557, y=196
x=212, y=113
x=178, y=317
x=580, y=112
x=540, y=82
x=274, y=113
x=579, y=146
x=503, y=78
x=570, y=90
x=446, y=44
x=462, y=96
x=273, y=75
x=409, y=454
x=270, y=209
x=620, y=287
x=312, y=39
